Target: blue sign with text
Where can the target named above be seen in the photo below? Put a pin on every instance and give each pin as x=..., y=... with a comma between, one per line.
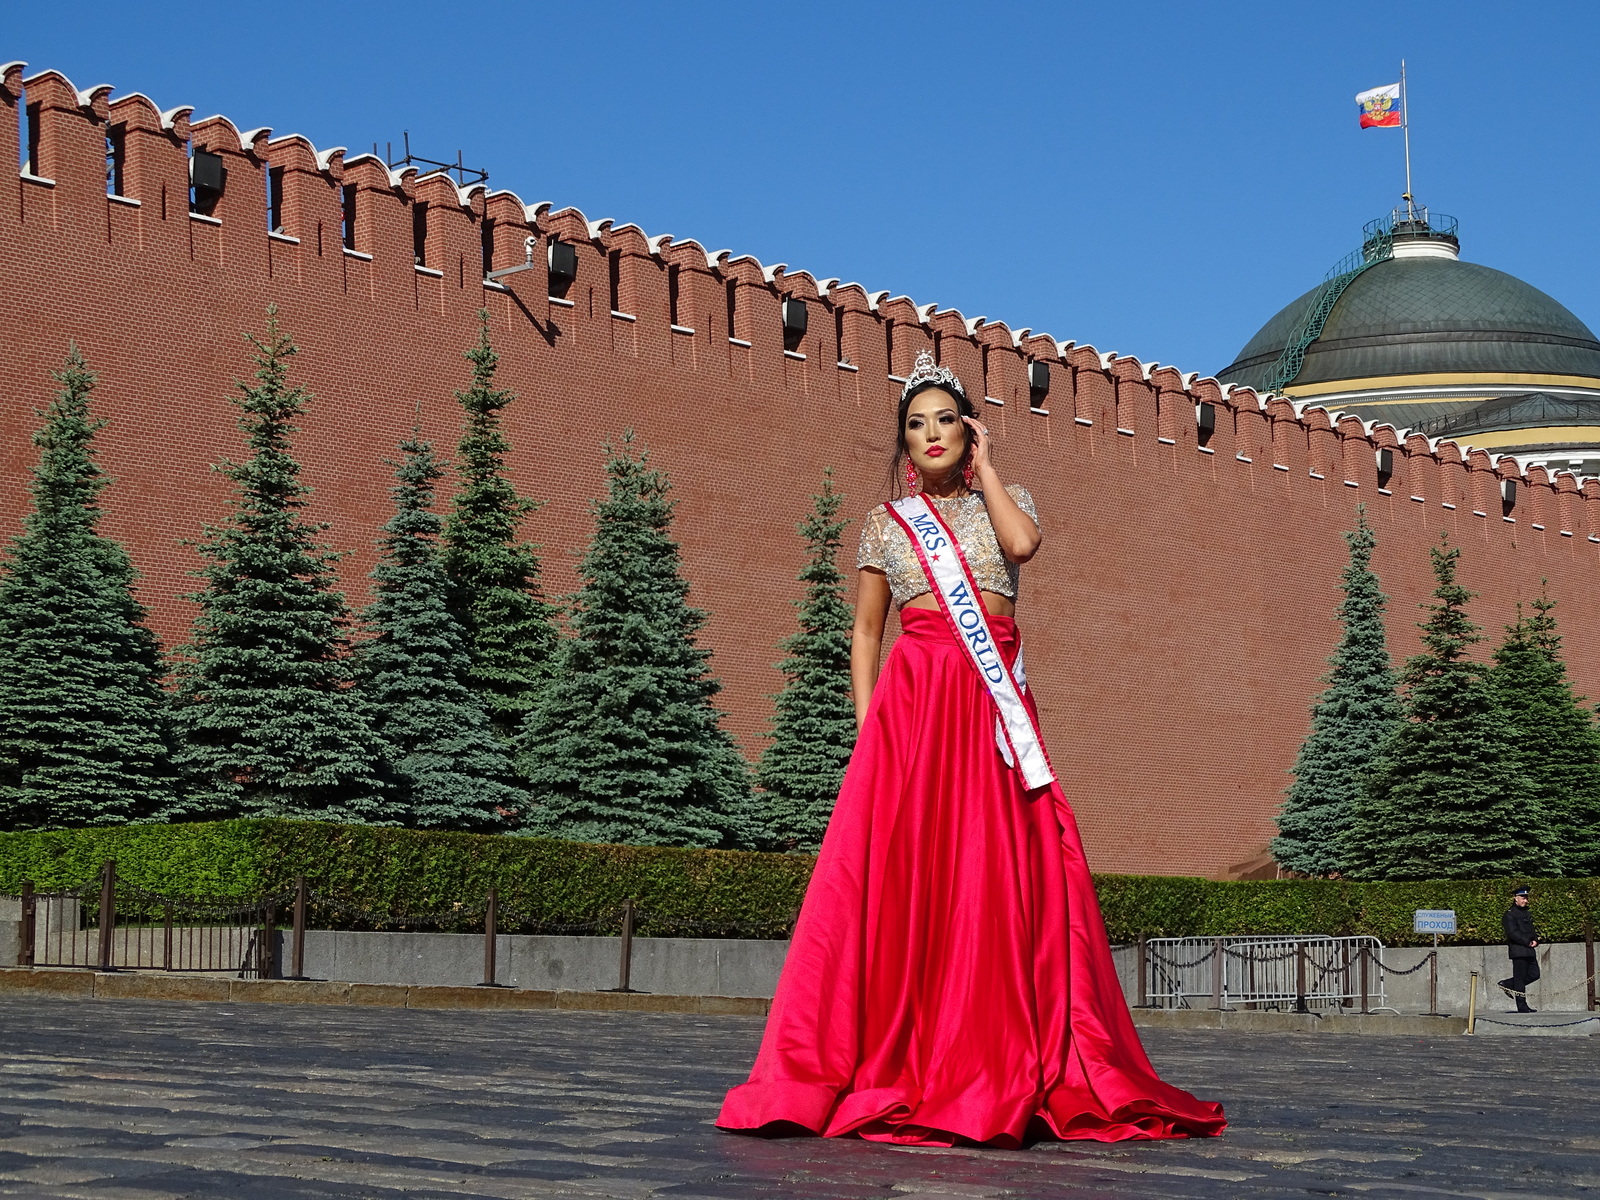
x=1434, y=920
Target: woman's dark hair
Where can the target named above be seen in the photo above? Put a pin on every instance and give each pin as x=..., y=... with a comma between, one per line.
x=964, y=408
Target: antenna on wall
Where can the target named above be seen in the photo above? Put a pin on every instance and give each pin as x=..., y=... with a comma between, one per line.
x=464, y=174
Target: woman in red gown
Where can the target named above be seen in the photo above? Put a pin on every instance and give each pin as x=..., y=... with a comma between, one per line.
x=949, y=979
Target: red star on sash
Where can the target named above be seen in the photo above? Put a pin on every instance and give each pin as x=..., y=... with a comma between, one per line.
x=935, y=558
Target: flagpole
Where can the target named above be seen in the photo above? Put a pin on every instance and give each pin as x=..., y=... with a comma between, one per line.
x=1405, y=128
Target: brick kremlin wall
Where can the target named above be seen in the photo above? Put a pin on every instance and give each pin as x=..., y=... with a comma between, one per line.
x=1178, y=617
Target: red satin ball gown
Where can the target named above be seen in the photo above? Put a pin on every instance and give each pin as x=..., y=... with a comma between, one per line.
x=949, y=979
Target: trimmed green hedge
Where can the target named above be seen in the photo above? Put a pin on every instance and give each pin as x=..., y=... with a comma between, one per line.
x=408, y=872
x=402, y=871
x=1171, y=906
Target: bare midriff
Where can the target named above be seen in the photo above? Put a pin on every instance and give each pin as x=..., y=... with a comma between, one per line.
x=996, y=604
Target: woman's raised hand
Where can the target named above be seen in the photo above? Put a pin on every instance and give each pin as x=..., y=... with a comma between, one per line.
x=980, y=445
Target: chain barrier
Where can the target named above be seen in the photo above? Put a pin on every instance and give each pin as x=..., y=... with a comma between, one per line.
x=1582, y=983
x=1378, y=962
x=1156, y=957
x=1546, y=994
x=529, y=923
x=1541, y=1025
x=760, y=930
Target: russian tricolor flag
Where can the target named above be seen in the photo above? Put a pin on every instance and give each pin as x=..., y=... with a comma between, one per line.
x=1380, y=107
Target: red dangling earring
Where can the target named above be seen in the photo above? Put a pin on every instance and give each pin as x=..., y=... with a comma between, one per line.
x=911, y=477
x=966, y=473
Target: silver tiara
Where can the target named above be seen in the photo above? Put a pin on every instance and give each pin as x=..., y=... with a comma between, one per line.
x=925, y=370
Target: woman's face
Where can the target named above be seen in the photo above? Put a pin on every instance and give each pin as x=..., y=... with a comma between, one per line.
x=935, y=435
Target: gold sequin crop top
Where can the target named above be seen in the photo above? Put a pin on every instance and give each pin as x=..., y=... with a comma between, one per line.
x=885, y=546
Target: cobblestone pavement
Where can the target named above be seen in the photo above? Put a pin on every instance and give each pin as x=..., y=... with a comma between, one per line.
x=136, y=1100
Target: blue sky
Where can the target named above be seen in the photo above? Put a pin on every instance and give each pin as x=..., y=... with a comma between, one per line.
x=1154, y=178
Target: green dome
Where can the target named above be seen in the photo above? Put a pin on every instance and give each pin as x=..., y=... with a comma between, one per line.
x=1427, y=316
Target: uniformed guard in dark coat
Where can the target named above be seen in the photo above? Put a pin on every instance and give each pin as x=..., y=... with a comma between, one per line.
x=1522, y=941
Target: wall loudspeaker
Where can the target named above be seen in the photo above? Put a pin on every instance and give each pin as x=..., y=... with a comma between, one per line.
x=563, y=261
x=794, y=317
x=1038, y=377
x=206, y=171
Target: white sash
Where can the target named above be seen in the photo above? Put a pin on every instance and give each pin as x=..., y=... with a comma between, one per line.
x=957, y=592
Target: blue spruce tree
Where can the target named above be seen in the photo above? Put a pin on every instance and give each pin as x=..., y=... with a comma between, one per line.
x=1446, y=798
x=270, y=723
x=1350, y=721
x=452, y=770
x=496, y=592
x=627, y=746
x=84, y=722
x=1554, y=739
x=814, y=718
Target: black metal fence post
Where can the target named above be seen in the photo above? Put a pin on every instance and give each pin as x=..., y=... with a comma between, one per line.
x=1588, y=959
x=25, y=950
x=1366, y=954
x=1217, y=969
x=1144, y=973
x=166, y=936
x=297, y=958
x=491, y=923
x=267, y=959
x=625, y=966
x=108, y=913
x=1433, y=984
x=1300, y=977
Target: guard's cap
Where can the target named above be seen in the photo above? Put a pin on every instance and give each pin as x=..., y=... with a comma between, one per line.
x=1521, y=891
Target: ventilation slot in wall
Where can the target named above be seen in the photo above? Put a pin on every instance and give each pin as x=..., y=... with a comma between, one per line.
x=614, y=279
x=486, y=245
x=419, y=233
x=116, y=160
x=34, y=119
x=347, y=198
x=275, y=199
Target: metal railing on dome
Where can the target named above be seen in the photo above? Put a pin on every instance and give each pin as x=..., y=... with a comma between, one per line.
x=1415, y=221
x=1376, y=247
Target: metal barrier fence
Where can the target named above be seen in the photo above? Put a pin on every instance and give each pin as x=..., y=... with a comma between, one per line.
x=115, y=925
x=1299, y=973
x=112, y=925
